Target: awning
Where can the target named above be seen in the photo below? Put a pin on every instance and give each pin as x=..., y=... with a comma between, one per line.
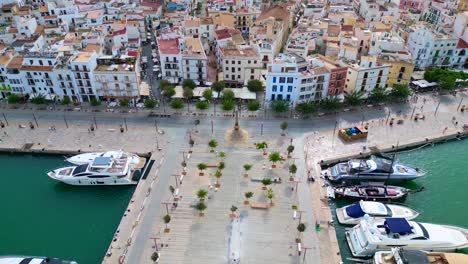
x=144, y=89
x=49, y=97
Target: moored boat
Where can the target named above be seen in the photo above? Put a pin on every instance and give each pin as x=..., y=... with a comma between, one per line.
x=372, y=192
x=402, y=256
x=13, y=259
x=86, y=158
x=352, y=214
x=372, y=170
x=100, y=171
x=370, y=236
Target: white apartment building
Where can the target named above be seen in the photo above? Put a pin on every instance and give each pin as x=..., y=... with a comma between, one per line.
x=239, y=65
x=65, y=81
x=82, y=66
x=293, y=78
x=388, y=43
x=314, y=9
x=37, y=72
x=117, y=78
x=372, y=10
x=366, y=76
x=170, y=58
x=429, y=48
x=194, y=60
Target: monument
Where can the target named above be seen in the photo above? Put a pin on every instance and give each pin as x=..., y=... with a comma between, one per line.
x=236, y=134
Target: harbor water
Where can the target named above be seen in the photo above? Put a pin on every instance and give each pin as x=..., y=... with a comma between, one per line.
x=443, y=200
x=42, y=217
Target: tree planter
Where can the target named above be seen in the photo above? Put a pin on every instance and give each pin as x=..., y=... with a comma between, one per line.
x=202, y=200
x=291, y=178
x=201, y=174
x=246, y=175
x=264, y=188
x=167, y=230
x=232, y=215
x=184, y=172
x=217, y=185
x=289, y=156
x=246, y=202
x=211, y=151
x=176, y=199
x=273, y=166
x=190, y=151
x=264, y=153
x=201, y=214
x=283, y=134
x=298, y=240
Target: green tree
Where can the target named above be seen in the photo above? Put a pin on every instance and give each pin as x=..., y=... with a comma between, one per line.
x=247, y=167
x=150, y=103
x=253, y=105
x=95, y=102
x=290, y=149
x=284, y=126
x=39, y=99
x=301, y=228
x=266, y=182
x=213, y=144
x=189, y=83
x=378, y=95
x=270, y=195
x=262, y=145
x=233, y=209
x=228, y=95
x=218, y=175
x=255, y=86
x=354, y=98
x=13, y=98
x=274, y=157
x=292, y=168
x=202, y=105
x=221, y=165
x=168, y=92
x=331, y=103
x=228, y=105
x=208, y=94
x=248, y=195
x=155, y=256
x=124, y=102
x=279, y=106
x=222, y=155
x=200, y=207
x=218, y=87
x=202, y=167
x=167, y=219
x=447, y=83
x=201, y=194
x=401, y=91
x=164, y=84
x=176, y=104
x=306, y=108
x=188, y=94
x=66, y=100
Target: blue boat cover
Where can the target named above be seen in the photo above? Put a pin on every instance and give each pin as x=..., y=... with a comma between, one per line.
x=355, y=211
x=398, y=226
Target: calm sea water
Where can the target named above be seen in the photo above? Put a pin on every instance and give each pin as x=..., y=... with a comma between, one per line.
x=43, y=217
x=444, y=198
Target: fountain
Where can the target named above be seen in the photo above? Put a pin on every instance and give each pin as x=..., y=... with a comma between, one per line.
x=236, y=135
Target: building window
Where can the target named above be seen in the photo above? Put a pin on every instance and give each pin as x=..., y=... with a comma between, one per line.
x=282, y=79
x=227, y=68
x=40, y=63
x=227, y=62
x=281, y=88
x=50, y=63
x=274, y=88
x=290, y=80
x=248, y=62
x=289, y=88
x=233, y=62
x=274, y=79
x=238, y=62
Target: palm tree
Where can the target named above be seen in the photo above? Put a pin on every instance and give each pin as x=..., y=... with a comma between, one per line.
x=221, y=165
x=283, y=127
x=378, y=95
x=222, y=155
x=262, y=145
x=266, y=182
x=331, y=103
x=290, y=149
x=301, y=228
x=202, y=167
x=270, y=195
x=201, y=194
x=354, y=98
x=213, y=144
x=167, y=219
x=188, y=94
x=200, y=207
x=274, y=157
x=247, y=167
x=218, y=175
x=248, y=195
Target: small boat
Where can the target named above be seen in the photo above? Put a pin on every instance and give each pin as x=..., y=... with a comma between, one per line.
x=372, y=192
x=372, y=170
x=86, y=158
x=403, y=256
x=352, y=214
x=370, y=236
x=32, y=260
x=100, y=171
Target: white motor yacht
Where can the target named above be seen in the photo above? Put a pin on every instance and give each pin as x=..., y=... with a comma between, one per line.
x=372, y=170
x=370, y=236
x=32, y=260
x=86, y=158
x=100, y=171
x=402, y=256
x=352, y=214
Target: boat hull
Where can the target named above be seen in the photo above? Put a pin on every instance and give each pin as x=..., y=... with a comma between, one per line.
x=91, y=182
x=373, y=178
x=396, y=211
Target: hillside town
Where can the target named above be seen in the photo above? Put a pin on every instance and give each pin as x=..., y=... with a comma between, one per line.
x=295, y=51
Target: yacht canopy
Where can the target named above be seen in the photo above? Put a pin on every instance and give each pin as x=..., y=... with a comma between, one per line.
x=355, y=210
x=398, y=226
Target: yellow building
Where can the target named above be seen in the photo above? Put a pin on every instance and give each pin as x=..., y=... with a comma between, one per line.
x=400, y=70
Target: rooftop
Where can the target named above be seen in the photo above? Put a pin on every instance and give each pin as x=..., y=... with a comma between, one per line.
x=236, y=52
x=168, y=46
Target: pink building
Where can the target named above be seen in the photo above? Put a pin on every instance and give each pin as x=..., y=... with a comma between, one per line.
x=412, y=4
